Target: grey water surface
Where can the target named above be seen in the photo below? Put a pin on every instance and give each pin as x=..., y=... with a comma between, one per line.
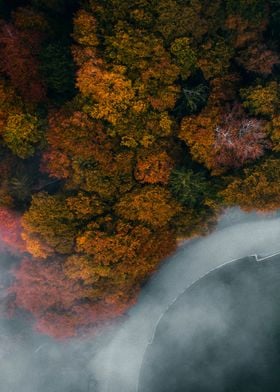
x=221, y=335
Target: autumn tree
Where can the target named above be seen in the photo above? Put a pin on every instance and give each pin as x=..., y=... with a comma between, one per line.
x=10, y=231
x=85, y=206
x=94, y=286
x=257, y=189
x=172, y=17
x=152, y=205
x=259, y=59
x=274, y=128
x=73, y=136
x=22, y=133
x=246, y=21
x=239, y=140
x=118, y=253
x=21, y=137
x=21, y=129
x=224, y=89
x=18, y=61
x=261, y=100
x=194, y=221
x=49, y=226
x=185, y=56
x=153, y=167
x=110, y=91
x=223, y=140
x=146, y=59
x=61, y=306
x=214, y=57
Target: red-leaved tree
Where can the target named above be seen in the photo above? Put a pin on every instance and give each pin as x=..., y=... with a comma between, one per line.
x=61, y=306
x=239, y=139
x=18, y=61
x=10, y=231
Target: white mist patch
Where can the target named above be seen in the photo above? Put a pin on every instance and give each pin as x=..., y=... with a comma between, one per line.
x=116, y=367
x=111, y=363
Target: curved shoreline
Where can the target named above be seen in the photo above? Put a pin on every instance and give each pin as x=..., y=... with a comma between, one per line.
x=117, y=365
x=256, y=259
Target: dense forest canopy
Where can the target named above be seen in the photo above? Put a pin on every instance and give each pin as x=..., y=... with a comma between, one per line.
x=124, y=127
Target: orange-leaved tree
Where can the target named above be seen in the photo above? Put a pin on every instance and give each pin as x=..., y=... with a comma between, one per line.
x=257, y=189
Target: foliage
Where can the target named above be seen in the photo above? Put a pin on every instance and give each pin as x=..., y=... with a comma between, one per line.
x=152, y=205
x=123, y=256
x=18, y=61
x=259, y=59
x=10, y=231
x=153, y=167
x=261, y=100
x=258, y=189
x=125, y=127
x=215, y=58
x=275, y=132
x=49, y=226
x=85, y=26
x=44, y=290
x=185, y=56
x=224, y=140
x=22, y=133
x=239, y=139
x=192, y=222
x=111, y=92
x=188, y=187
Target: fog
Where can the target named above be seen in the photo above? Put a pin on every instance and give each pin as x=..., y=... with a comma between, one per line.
x=111, y=362
x=221, y=335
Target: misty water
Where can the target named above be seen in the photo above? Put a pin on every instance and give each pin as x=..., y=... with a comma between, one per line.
x=221, y=334
x=30, y=362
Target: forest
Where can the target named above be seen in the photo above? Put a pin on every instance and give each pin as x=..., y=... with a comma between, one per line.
x=125, y=127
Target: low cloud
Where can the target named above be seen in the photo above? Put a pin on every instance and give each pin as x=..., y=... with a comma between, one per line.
x=30, y=362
